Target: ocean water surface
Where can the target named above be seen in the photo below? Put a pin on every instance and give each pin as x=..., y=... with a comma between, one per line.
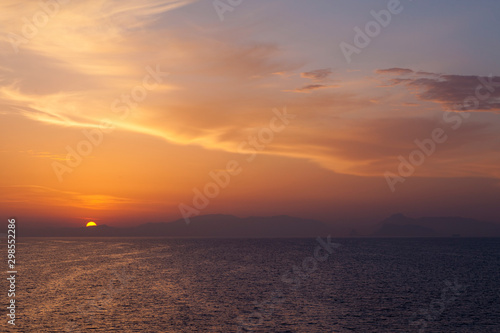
x=252, y=285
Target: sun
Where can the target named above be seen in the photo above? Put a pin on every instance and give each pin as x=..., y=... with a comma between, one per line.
x=91, y=224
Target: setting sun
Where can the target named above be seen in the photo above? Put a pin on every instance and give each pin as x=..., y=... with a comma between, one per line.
x=91, y=224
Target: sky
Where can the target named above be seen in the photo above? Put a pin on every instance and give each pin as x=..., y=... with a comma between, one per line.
x=126, y=112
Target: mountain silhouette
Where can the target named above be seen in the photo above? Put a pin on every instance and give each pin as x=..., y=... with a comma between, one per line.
x=399, y=225
x=280, y=226
x=207, y=226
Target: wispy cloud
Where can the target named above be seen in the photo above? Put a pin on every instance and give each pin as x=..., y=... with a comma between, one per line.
x=318, y=74
x=39, y=195
x=395, y=71
x=311, y=87
x=452, y=91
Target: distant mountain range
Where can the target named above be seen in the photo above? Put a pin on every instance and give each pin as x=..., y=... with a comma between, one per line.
x=208, y=226
x=399, y=225
x=282, y=226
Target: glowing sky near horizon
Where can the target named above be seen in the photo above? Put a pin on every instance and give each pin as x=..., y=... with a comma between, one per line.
x=219, y=84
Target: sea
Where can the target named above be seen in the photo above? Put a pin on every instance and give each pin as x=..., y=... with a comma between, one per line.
x=256, y=285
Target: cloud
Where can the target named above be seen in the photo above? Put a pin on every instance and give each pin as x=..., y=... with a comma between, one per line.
x=40, y=195
x=221, y=88
x=457, y=92
x=453, y=92
x=44, y=154
x=318, y=74
x=371, y=147
x=395, y=71
x=311, y=87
